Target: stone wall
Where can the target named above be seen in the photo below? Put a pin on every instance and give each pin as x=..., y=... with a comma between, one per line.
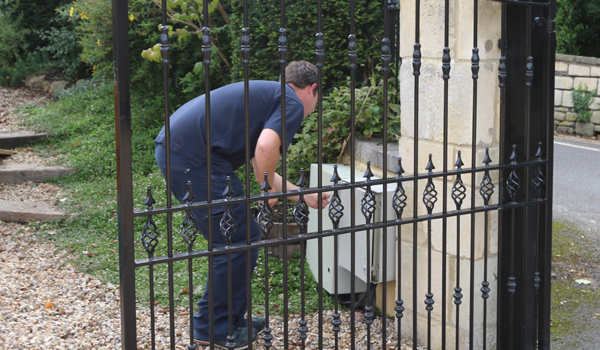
x=430, y=138
x=570, y=72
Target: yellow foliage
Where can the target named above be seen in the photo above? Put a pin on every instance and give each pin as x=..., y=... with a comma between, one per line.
x=152, y=54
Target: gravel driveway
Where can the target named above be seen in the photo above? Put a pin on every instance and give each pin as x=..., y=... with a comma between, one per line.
x=45, y=303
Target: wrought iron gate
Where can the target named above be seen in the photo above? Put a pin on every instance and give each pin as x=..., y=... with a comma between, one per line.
x=519, y=194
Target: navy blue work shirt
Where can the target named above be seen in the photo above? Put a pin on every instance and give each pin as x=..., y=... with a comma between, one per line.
x=227, y=123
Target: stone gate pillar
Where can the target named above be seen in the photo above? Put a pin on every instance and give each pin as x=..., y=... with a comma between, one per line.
x=431, y=135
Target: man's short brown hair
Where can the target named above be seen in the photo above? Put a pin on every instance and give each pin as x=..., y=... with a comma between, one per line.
x=301, y=74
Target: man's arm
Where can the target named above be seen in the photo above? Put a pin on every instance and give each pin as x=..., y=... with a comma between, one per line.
x=266, y=158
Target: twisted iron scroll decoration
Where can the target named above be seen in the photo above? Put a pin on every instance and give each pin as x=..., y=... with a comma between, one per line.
x=189, y=229
x=265, y=223
x=458, y=195
x=399, y=203
x=368, y=203
x=336, y=211
x=429, y=199
x=149, y=231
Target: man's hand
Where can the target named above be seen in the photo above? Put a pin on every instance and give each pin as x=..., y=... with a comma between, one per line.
x=272, y=202
x=312, y=200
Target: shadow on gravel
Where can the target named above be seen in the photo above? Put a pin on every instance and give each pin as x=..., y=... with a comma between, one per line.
x=575, y=310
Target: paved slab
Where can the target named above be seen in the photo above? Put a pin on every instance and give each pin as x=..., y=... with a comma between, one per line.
x=19, y=173
x=24, y=211
x=13, y=139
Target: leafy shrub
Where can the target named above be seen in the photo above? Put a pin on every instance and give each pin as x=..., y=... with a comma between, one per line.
x=64, y=47
x=578, y=28
x=38, y=15
x=337, y=126
x=93, y=25
x=13, y=76
x=34, y=63
x=301, y=18
x=12, y=34
x=582, y=99
x=185, y=24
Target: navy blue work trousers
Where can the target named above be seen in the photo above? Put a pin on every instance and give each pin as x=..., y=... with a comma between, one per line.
x=181, y=173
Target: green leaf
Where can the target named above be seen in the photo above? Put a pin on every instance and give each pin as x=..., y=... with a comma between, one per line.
x=198, y=67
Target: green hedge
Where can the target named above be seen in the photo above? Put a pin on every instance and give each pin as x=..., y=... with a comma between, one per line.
x=578, y=27
x=301, y=25
x=36, y=17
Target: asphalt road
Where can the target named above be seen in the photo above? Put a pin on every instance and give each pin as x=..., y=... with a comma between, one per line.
x=577, y=182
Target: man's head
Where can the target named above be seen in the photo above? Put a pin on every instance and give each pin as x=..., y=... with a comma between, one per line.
x=303, y=78
x=302, y=74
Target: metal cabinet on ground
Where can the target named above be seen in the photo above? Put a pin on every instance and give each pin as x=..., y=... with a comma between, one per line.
x=344, y=240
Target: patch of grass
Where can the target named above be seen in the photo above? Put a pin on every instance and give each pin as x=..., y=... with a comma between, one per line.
x=83, y=134
x=575, y=308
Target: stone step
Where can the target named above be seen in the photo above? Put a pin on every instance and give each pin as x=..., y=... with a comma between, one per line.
x=4, y=153
x=14, y=139
x=19, y=173
x=25, y=211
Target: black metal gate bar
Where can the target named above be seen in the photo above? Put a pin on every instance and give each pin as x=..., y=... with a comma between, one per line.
x=164, y=50
x=302, y=221
x=228, y=228
x=501, y=226
x=124, y=174
x=265, y=224
x=458, y=195
x=206, y=51
x=283, y=50
x=302, y=323
x=385, y=62
x=319, y=58
x=429, y=199
x=538, y=183
x=416, y=73
x=486, y=190
x=446, y=77
x=475, y=77
x=327, y=233
x=367, y=209
x=150, y=229
x=545, y=243
x=335, y=213
x=245, y=49
x=347, y=186
x=512, y=186
x=486, y=187
x=399, y=203
x=352, y=66
x=189, y=232
x=530, y=212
